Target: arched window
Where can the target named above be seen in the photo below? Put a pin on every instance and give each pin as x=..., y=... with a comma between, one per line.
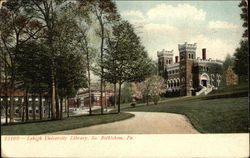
x=178, y=83
x=175, y=83
x=192, y=56
x=189, y=56
x=171, y=83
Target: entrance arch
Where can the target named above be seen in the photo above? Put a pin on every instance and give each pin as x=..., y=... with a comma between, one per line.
x=204, y=80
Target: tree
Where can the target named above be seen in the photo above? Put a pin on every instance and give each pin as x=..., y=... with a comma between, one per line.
x=244, y=16
x=126, y=93
x=45, y=11
x=70, y=62
x=32, y=72
x=241, y=61
x=125, y=58
x=228, y=63
x=89, y=53
x=231, y=77
x=151, y=88
x=105, y=12
x=241, y=53
x=16, y=27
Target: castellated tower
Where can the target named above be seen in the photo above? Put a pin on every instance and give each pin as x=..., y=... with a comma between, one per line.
x=164, y=58
x=187, y=56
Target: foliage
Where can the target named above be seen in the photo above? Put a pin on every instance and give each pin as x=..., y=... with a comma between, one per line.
x=126, y=93
x=125, y=59
x=241, y=61
x=32, y=70
x=244, y=16
x=228, y=63
x=152, y=88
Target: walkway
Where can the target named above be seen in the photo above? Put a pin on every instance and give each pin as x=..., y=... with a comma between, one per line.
x=142, y=123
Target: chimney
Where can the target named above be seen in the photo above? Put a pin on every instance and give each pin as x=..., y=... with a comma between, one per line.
x=204, y=54
x=176, y=59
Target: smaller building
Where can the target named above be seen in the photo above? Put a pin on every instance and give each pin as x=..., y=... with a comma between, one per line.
x=18, y=102
x=82, y=99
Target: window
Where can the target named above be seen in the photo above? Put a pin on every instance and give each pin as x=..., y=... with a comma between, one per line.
x=192, y=56
x=189, y=56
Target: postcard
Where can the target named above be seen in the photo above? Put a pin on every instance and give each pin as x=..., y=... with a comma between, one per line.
x=153, y=79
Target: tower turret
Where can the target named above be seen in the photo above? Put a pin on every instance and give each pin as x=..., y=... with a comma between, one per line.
x=164, y=58
x=187, y=51
x=187, y=56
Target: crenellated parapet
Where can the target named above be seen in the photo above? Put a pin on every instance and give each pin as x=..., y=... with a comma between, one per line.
x=165, y=53
x=187, y=47
x=199, y=61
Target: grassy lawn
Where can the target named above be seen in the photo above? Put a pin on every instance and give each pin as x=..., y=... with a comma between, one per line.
x=60, y=125
x=224, y=111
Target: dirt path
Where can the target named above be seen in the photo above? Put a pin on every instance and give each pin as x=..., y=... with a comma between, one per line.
x=142, y=123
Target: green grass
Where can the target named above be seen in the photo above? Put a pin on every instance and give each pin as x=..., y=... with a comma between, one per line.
x=224, y=111
x=60, y=125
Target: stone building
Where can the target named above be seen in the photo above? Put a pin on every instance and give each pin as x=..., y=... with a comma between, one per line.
x=189, y=75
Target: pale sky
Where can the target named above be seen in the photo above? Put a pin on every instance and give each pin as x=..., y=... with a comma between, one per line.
x=214, y=25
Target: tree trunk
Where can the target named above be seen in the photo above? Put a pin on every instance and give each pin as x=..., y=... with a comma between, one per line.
x=119, y=99
x=105, y=96
x=115, y=95
x=102, y=42
x=65, y=104
x=20, y=107
x=6, y=91
x=90, y=100
x=53, y=97
x=57, y=105
x=101, y=97
x=33, y=108
x=147, y=99
x=6, y=103
x=40, y=106
x=61, y=108
x=50, y=109
x=26, y=104
x=23, y=111
x=6, y=109
x=11, y=105
x=67, y=107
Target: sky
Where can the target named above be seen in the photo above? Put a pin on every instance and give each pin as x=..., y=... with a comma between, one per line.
x=214, y=25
